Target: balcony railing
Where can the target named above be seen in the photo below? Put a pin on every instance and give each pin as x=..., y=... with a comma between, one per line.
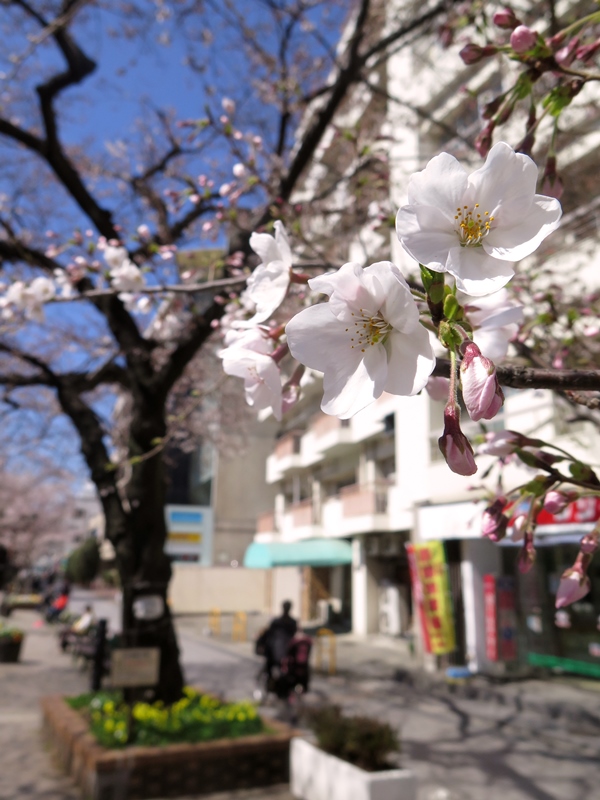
x=288, y=445
x=265, y=523
x=359, y=500
x=302, y=513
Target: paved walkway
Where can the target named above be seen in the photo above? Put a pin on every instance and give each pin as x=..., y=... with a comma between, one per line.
x=528, y=740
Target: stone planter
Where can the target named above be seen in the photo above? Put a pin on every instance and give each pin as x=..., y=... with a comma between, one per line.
x=316, y=775
x=135, y=773
x=9, y=651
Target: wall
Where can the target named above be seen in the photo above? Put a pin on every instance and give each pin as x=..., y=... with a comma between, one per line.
x=195, y=589
x=286, y=584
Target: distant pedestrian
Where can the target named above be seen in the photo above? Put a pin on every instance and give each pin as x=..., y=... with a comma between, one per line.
x=278, y=636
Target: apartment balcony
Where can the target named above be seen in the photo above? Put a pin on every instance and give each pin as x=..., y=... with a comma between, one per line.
x=300, y=521
x=265, y=523
x=357, y=509
x=330, y=435
x=285, y=458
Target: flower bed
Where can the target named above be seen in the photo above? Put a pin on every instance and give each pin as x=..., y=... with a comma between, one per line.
x=170, y=770
x=195, y=718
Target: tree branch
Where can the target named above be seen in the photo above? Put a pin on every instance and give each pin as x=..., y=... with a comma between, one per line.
x=517, y=377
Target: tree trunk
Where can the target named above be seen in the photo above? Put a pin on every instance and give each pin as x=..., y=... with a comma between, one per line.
x=143, y=565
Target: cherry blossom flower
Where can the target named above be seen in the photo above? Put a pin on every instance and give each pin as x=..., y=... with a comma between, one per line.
x=480, y=388
x=268, y=284
x=248, y=356
x=366, y=340
x=495, y=320
x=476, y=226
x=127, y=277
x=114, y=255
x=30, y=298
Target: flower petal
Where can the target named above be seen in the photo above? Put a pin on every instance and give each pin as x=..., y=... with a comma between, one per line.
x=505, y=185
x=526, y=235
x=441, y=184
x=477, y=273
x=426, y=235
x=346, y=392
x=410, y=362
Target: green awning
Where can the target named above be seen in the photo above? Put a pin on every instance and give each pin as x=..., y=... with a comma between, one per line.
x=306, y=553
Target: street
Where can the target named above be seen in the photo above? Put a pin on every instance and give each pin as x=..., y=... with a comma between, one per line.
x=515, y=745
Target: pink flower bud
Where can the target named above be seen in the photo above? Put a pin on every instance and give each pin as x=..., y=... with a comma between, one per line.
x=499, y=444
x=228, y=105
x=589, y=543
x=572, y=587
x=566, y=55
x=483, y=142
x=493, y=521
x=587, y=52
x=473, y=53
x=526, y=557
x=555, y=502
x=454, y=445
x=522, y=39
x=506, y=19
x=480, y=388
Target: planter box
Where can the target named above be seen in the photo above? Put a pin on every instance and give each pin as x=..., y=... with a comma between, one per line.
x=135, y=773
x=9, y=651
x=316, y=775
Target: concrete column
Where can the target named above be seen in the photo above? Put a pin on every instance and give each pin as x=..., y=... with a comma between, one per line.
x=359, y=587
x=479, y=558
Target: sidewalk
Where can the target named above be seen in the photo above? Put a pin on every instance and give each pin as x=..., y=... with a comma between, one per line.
x=377, y=665
x=27, y=769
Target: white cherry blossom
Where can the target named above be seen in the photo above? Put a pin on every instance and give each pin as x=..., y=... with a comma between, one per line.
x=114, y=255
x=28, y=298
x=248, y=356
x=495, y=320
x=127, y=277
x=268, y=284
x=476, y=226
x=366, y=340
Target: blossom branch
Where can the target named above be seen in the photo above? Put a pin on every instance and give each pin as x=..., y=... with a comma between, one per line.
x=519, y=377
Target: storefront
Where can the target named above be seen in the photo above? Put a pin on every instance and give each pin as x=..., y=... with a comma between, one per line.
x=565, y=639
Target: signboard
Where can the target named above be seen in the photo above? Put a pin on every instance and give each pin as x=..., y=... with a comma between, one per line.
x=500, y=618
x=190, y=533
x=491, y=621
x=507, y=617
x=134, y=666
x=585, y=509
x=431, y=574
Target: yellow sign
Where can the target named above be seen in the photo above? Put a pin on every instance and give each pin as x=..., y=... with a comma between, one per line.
x=176, y=536
x=436, y=609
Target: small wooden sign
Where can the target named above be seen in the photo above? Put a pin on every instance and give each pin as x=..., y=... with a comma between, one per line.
x=134, y=667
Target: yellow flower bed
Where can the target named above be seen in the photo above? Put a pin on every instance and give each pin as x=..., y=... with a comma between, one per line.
x=195, y=718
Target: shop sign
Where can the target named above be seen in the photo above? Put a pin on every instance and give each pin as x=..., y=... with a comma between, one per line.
x=491, y=622
x=507, y=618
x=585, y=509
x=500, y=618
x=429, y=576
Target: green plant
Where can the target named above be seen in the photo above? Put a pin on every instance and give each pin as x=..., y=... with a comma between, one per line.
x=10, y=634
x=195, y=718
x=364, y=742
x=84, y=562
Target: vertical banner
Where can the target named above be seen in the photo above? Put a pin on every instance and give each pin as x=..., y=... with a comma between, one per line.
x=429, y=573
x=491, y=617
x=417, y=591
x=507, y=618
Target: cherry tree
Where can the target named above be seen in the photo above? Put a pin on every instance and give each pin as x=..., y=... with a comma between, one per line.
x=107, y=319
